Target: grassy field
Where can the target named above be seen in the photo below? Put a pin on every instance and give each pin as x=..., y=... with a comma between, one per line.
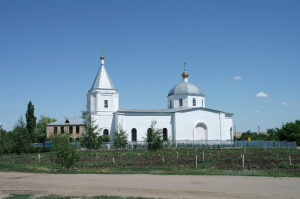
x=257, y=162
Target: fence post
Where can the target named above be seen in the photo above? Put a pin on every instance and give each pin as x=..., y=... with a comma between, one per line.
x=243, y=160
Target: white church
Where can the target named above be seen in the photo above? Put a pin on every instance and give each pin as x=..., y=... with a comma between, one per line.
x=185, y=118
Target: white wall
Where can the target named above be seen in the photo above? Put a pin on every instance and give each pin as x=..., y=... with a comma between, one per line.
x=142, y=121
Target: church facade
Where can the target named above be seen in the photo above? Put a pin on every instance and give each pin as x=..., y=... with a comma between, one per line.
x=186, y=117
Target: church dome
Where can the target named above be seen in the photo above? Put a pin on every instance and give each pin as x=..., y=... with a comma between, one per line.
x=185, y=88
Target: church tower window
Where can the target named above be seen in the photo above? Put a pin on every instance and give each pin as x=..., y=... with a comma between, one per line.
x=165, y=134
x=170, y=103
x=194, y=101
x=105, y=132
x=133, y=135
x=180, y=102
x=105, y=103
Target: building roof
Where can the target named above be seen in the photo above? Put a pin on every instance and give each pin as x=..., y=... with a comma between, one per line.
x=66, y=121
x=185, y=88
x=181, y=109
x=102, y=80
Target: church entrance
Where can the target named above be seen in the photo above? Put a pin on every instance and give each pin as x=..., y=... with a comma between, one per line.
x=200, y=132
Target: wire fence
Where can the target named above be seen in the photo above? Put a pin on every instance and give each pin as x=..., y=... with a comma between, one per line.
x=208, y=144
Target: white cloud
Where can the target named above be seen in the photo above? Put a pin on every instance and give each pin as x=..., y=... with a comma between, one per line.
x=257, y=112
x=3, y=124
x=284, y=104
x=238, y=78
x=295, y=103
x=261, y=94
x=267, y=101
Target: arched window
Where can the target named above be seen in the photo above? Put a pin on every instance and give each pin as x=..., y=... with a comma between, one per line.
x=194, y=101
x=133, y=135
x=180, y=102
x=105, y=103
x=165, y=134
x=105, y=132
x=170, y=103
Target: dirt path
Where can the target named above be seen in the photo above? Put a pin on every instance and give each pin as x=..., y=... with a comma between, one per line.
x=157, y=186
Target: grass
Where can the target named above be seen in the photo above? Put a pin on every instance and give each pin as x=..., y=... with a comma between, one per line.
x=258, y=162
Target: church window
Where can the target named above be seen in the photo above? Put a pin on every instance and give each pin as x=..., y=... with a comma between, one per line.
x=77, y=129
x=194, y=102
x=165, y=134
x=55, y=130
x=62, y=130
x=133, y=135
x=70, y=129
x=170, y=103
x=105, y=103
x=180, y=102
x=105, y=132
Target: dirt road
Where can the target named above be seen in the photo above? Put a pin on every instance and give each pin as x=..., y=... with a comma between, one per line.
x=156, y=186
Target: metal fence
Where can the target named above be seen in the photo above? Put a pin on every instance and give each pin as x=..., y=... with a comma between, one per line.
x=209, y=144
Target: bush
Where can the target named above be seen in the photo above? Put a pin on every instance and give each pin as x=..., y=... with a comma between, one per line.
x=154, y=138
x=120, y=138
x=63, y=151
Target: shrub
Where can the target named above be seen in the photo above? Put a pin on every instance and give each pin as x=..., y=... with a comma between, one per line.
x=120, y=138
x=154, y=138
x=63, y=151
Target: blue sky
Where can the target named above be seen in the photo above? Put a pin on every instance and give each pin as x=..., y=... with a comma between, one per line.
x=244, y=55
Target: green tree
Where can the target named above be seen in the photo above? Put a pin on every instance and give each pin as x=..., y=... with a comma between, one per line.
x=3, y=140
x=290, y=132
x=154, y=137
x=64, y=151
x=20, y=138
x=30, y=120
x=120, y=138
x=90, y=138
x=253, y=136
x=272, y=134
x=40, y=132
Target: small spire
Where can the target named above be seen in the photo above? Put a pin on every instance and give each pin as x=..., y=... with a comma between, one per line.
x=102, y=57
x=185, y=74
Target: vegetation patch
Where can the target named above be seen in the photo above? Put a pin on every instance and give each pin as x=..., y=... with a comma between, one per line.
x=259, y=162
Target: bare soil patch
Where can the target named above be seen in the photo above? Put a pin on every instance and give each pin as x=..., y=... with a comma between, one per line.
x=155, y=186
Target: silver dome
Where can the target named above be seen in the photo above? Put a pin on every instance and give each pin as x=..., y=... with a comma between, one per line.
x=184, y=88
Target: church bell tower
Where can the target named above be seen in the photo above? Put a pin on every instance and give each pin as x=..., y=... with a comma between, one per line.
x=103, y=100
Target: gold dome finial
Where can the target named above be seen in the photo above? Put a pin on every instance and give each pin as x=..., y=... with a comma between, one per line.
x=102, y=57
x=185, y=74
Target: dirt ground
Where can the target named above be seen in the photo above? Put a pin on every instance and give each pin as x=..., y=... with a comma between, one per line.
x=156, y=186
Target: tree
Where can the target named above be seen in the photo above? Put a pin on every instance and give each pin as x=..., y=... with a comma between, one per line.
x=64, y=151
x=90, y=139
x=120, y=138
x=154, y=137
x=290, y=132
x=20, y=138
x=272, y=134
x=3, y=140
x=30, y=120
x=253, y=136
x=40, y=132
